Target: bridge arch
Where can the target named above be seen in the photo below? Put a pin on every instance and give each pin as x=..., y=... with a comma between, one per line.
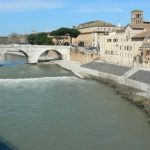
x=15, y=56
x=51, y=54
x=23, y=52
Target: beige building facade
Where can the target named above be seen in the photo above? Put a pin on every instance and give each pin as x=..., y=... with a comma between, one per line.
x=121, y=46
x=91, y=33
x=144, y=49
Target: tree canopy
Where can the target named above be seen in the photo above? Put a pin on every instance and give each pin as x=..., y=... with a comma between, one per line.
x=39, y=39
x=65, y=31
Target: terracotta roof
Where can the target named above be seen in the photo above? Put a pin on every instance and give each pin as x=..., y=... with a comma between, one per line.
x=140, y=26
x=137, y=26
x=97, y=23
x=142, y=34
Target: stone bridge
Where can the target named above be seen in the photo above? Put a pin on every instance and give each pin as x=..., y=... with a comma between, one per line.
x=33, y=52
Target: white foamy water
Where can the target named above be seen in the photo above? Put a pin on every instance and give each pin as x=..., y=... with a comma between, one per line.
x=37, y=83
x=43, y=79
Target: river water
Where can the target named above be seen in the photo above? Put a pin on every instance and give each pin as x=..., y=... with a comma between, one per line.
x=43, y=107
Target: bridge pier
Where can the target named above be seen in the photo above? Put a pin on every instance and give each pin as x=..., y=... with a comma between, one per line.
x=2, y=56
x=32, y=60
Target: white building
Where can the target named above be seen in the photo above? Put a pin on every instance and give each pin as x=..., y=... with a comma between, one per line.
x=118, y=46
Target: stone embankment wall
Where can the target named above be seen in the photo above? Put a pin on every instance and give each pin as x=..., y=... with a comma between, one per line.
x=138, y=78
x=83, y=56
x=131, y=83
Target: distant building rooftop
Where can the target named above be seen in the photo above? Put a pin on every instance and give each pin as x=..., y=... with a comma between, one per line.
x=118, y=29
x=4, y=40
x=97, y=23
x=142, y=35
x=140, y=26
x=136, y=10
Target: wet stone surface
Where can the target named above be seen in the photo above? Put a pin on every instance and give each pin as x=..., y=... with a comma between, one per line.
x=107, y=68
x=142, y=76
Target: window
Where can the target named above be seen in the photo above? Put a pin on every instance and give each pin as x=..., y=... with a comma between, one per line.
x=137, y=15
x=108, y=40
x=115, y=40
x=127, y=48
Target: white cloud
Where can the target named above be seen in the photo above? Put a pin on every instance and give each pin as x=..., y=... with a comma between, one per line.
x=29, y=5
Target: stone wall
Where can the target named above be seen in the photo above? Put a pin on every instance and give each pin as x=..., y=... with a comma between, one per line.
x=138, y=78
x=83, y=56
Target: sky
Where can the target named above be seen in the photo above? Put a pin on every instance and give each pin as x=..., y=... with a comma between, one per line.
x=25, y=16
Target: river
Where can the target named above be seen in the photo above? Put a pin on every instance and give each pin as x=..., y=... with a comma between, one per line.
x=43, y=107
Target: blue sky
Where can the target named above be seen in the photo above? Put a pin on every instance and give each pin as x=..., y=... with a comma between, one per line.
x=25, y=16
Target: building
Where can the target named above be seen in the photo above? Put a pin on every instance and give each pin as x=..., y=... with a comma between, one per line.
x=61, y=40
x=14, y=39
x=91, y=32
x=122, y=45
x=144, y=50
x=4, y=40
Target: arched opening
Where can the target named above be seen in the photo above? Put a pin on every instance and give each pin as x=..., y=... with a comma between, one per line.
x=25, y=54
x=66, y=43
x=16, y=57
x=50, y=55
x=81, y=44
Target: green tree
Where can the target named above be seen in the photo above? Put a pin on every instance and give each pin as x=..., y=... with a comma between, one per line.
x=39, y=39
x=72, y=33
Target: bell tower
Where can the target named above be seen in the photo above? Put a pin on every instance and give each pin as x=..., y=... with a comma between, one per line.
x=136, y=17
